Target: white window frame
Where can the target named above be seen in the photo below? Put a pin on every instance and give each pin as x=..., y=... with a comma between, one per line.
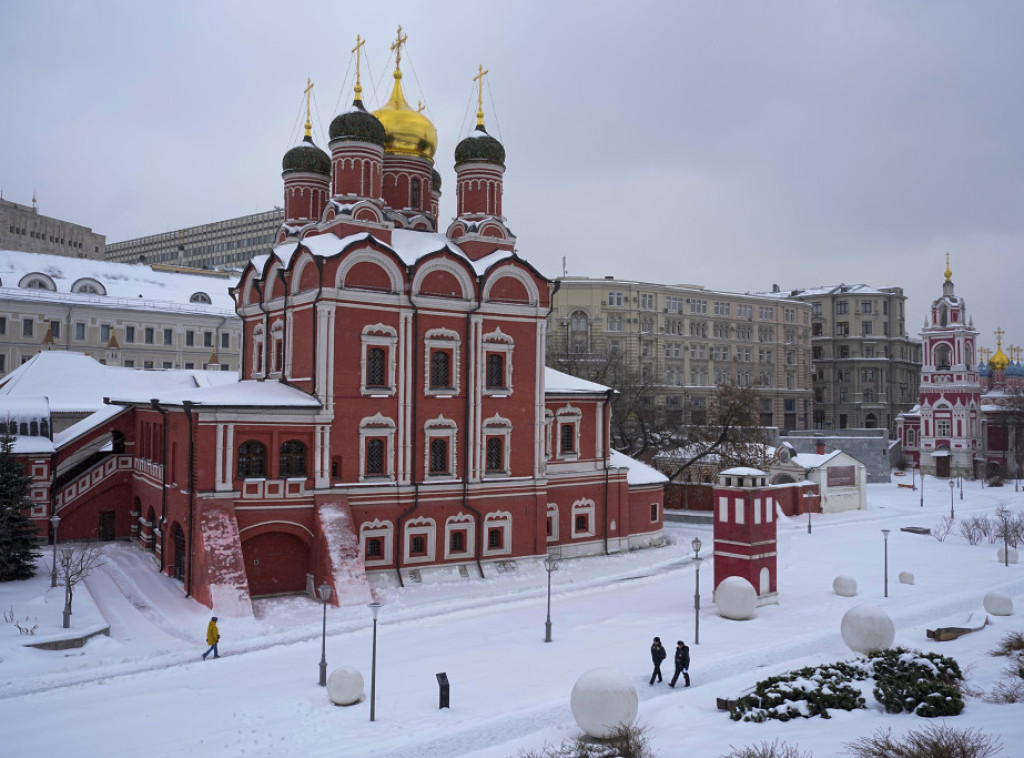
x=449, y=341
x=498, y=520
x=383, y=530
x=425, y=527
x=373, y=427
x=442, y=428
x=258, y=342
x=276, y=337
x=567, y=414
x=497, y=426
x=584, y=506
x=461, y=522
x=552, y=513
x=382, y=336
x=497, y=342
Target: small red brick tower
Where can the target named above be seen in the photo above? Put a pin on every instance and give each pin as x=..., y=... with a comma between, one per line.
x=306, y=170
x=745, y=533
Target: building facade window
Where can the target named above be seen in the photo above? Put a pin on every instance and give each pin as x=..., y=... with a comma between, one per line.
x=459, y=534
x=292, y=459
x=583, y=518
x=252, y=460
x=376, y=538
x=420, y=535
x=498, y=528
x=378, y=368
x=376, y=448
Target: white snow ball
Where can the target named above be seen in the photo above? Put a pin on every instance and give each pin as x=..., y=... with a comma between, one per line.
x=602, y=700
x=844, y=586
x=345, y=686
x=999, y=604
x=1000, y=554
x=866, y=628
x=906, y=577
x=736, y=598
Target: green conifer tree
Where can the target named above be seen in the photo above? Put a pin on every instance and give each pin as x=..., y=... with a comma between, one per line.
x=17, y=534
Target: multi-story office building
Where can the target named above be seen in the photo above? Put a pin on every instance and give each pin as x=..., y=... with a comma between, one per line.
x=866, y=370
x=135, y=316
x=220, y=244
x=23, y=228
x=686, y=340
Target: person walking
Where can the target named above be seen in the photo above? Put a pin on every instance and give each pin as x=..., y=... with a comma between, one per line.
x=682, y=664
x=212, y=638
x=658, y=654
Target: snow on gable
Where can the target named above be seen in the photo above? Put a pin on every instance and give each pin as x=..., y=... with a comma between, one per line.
x=638, y=473
x=555, y=382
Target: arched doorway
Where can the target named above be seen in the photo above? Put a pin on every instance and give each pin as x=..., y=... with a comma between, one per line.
x=276, y=563
x=871, y=421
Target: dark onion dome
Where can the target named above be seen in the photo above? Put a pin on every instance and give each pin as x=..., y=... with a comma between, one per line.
x=306, y=156
x=480, y=147
x=435, y=180
x=358, y=125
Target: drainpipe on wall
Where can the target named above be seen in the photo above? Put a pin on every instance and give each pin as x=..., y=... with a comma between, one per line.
x=607, y=457
x=412, y=444
x=187, y=406
x=470, y=384
x=155, y=403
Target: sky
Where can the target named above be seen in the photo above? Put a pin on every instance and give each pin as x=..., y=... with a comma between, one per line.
x=510, y=691
x=733, y=145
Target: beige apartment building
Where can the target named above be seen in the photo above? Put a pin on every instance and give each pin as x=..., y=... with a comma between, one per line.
x=217, y=245
x=23, y=227
x=686, y=340
x=866, y=370
x=143, y=317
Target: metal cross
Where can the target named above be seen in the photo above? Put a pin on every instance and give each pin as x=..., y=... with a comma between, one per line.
x=396, y=47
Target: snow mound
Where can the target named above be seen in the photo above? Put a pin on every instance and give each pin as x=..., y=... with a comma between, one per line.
x=736, y=598
x=844, y=586
x=998, y=604
x=865, y=628
x=345, y=686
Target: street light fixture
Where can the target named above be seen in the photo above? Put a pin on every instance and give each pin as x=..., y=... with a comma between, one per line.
x=809, y=496
x=550, y=564
x=54, y=522
x=696, y=594
x=325, y=595
x=922, y=487
x=885, y=534
x=374, y=608
x=952, y=485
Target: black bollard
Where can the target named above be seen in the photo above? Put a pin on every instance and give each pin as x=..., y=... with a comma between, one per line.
x=443, y=694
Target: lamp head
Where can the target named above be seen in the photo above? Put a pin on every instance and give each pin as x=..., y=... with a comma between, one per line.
x=374, y=608
x=54, y=520
x=695, y=544
x=325, y=592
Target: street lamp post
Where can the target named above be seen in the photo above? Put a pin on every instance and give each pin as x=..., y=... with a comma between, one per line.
x=922, y=488
x=325, y=595
x=809, y=496
x=952, y=485
x=54, y=522
x=1006, y=536
x=885, y=534
x=550, y=564
x=696, y=594
x=913, y=477
x=374, y=608
x=960, y=481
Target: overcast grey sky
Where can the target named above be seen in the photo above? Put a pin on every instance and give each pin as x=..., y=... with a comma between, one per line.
x=734, y=145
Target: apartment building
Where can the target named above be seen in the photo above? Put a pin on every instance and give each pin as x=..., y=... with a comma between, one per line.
x=145, y=317
x=865, y=369
x=686, y=340
x=24, y=228
x=220, y=244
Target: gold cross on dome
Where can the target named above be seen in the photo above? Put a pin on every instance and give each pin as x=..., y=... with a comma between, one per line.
x=396, y=47
x=309, y=124
x=999, y=332
x=479, y=79
x=359, y=43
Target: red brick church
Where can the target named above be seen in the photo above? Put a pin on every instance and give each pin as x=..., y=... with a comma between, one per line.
x=394, y=418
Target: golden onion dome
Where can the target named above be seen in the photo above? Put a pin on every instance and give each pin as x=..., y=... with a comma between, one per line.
x=999, y=361
x=409, y=132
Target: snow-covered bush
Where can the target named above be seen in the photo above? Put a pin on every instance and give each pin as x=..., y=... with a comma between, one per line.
x=625, y=742
x=773, y=749
x=935, y=741
x=942, y=530
x=807, y=692
x=927, y=684
x=975, y=528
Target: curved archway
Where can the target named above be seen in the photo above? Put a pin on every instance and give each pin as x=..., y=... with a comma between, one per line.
x=276, y=563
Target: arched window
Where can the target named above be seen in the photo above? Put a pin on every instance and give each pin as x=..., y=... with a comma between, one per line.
x=200, y=297
x=415, y=193
x=293, y=459
x=439, y=455
x=440, y=369
x=495, y=455
x=252, y=459
x=942, y=360
x=495, y=370
x=376, y=367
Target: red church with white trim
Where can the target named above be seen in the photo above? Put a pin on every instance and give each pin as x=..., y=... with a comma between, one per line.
x=394, y=415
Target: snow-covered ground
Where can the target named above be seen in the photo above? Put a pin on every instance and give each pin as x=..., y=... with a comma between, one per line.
x=145, y=691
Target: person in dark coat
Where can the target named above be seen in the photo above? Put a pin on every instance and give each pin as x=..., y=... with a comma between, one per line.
x=658, y=654
x=682, y=664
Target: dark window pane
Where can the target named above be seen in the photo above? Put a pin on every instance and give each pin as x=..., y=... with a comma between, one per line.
x=495, y=459
x=438, y=456
x=376, y=359
x=252, y=459
x=293, y=459
x=495, y=370
x=375, y=457
x=440, y=369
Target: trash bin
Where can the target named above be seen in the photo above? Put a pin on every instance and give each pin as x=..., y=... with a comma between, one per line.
x=443, y=694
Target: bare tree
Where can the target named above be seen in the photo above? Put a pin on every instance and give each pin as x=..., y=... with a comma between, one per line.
x=74, y=563
x=731, y=431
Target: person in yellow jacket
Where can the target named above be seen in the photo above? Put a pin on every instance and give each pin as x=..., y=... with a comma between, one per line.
x=212, y=638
